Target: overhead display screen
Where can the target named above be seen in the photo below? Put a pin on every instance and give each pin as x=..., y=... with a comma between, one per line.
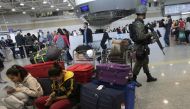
x=177, y=9
x=143, y=2
x=84, y=8
x=79, y=2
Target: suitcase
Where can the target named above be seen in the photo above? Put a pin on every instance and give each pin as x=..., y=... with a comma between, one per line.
x=83, y=72
x=41, y=70
x=130, y=96
x=182, y=37
x=115, y=74
x=129, y=92
x=107, y=98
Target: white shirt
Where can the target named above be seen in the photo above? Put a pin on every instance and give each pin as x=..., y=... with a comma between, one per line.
x=187, y=26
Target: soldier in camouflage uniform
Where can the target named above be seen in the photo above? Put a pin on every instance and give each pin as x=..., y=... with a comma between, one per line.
x=141, y=37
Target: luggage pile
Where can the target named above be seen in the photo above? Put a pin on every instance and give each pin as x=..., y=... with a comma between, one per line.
x=104, y=86
x=110, y=90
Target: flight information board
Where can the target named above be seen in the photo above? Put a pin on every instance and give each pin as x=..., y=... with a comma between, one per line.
x=177, y=9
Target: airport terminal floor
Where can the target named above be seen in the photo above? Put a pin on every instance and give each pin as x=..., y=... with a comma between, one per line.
x=169, y=92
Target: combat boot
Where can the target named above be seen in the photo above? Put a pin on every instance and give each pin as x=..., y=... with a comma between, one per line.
x=150, y=78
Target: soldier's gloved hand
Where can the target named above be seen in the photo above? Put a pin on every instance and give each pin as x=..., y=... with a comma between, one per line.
x=153, y=40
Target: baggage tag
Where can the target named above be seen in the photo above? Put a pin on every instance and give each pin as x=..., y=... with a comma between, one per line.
x=100, y=87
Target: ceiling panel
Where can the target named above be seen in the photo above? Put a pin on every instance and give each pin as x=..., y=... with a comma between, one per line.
x=62, y=5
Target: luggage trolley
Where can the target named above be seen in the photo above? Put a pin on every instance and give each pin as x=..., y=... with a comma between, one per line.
x=84, y=58
x=122, y=57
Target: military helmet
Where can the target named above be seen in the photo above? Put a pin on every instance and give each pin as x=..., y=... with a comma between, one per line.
x=141, y=9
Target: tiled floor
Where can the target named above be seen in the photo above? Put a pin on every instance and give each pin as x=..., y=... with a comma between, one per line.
x=171, y=91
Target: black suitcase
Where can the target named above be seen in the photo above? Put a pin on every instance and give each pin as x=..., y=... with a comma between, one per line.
x=107, y=98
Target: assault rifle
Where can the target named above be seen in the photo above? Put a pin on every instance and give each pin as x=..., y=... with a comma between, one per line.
x=156, y=36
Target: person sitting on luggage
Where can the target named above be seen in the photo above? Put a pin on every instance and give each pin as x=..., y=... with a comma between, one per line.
x=62, y=90
x=26, y=87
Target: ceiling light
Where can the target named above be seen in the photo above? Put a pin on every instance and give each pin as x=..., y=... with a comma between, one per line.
x=64, y=0
x=165, y=101
x=176, y=83
x=21, y=4
x=189, y=62
x=171, y=64
x=185, y=13
x=52, y=6
x=72, y=8
x=23, y=12
x=0, y=6
x=69, y=4
x=57, y=9
x=13, y=9
x=33, y=8
x=163, y=74
x=44, y=2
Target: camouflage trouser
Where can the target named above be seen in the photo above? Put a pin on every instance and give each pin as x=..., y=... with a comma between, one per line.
x=141, y=64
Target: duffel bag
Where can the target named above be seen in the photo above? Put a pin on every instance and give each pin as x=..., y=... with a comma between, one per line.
x=83, y=72
x=115, y=74
x=41, y=70
x=53, y=53
x=39, y=57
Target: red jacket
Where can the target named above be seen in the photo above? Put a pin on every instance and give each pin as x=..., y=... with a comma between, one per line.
x=64, y=38
x=181, y=24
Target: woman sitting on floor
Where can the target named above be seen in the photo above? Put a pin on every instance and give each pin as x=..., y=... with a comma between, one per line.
x=26, y=87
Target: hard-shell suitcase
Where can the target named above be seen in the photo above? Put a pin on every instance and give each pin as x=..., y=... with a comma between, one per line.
x=107, y=98
x=83, y=72
x=41, y=70
x=130, y=96
x=117, y=74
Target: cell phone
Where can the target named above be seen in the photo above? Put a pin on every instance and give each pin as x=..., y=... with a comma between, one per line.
x=8, y=88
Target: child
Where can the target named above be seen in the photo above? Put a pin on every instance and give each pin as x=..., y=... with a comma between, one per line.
x=62, y=90
x=25, y=86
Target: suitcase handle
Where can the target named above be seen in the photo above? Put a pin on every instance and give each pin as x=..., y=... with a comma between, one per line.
x=97, y=96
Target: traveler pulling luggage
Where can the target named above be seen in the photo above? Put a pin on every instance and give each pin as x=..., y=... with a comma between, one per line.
x=62, y=43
